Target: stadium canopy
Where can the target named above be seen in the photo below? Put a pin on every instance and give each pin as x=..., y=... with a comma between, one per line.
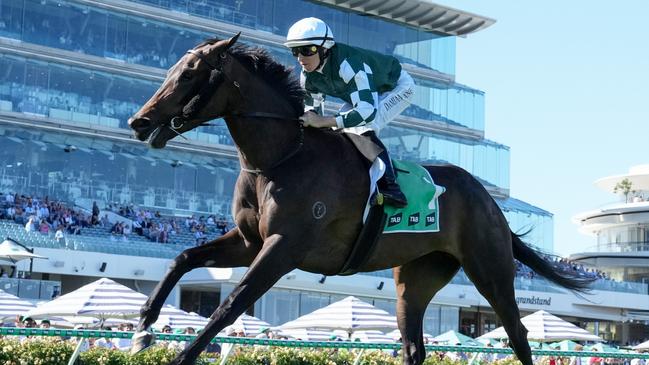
x=421, y=14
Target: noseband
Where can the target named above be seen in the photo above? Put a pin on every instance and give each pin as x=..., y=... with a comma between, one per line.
x=178, y=122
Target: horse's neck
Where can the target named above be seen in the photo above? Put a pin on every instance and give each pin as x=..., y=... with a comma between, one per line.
x=263, y=142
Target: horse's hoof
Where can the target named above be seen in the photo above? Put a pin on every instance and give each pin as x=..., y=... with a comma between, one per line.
x=142, y=340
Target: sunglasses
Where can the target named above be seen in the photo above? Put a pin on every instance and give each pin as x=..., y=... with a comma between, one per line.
x=305, y=51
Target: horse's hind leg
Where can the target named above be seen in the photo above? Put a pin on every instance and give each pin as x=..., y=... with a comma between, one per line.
x=228, y=250
x=491, y=269
x=416, y=284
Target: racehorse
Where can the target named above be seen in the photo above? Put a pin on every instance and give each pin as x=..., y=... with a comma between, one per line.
x=286, y=169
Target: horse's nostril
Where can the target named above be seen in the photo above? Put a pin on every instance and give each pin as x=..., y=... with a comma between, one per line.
x=137, y=123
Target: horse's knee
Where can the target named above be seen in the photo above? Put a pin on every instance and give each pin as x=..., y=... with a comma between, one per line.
x=180, y=263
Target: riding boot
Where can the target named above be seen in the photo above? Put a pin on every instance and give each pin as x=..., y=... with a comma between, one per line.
x=391, y=191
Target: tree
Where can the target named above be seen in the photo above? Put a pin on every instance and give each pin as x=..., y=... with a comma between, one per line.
x=624, y=187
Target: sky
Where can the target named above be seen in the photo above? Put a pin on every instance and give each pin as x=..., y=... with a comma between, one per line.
x=567, y=89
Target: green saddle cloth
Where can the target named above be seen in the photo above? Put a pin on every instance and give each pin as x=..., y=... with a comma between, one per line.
x=422, y=212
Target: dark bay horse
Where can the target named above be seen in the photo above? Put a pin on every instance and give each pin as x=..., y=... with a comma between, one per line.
x=286, y=169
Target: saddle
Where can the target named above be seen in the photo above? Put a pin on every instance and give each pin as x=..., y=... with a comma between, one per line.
x=420, y=216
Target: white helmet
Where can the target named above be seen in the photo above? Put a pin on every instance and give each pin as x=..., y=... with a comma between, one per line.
x=310, y=31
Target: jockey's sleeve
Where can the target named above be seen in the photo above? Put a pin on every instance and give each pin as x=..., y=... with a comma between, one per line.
x=313, y=101
x=362, y=93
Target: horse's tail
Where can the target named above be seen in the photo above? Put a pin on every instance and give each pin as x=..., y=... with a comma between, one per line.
x=535, y=260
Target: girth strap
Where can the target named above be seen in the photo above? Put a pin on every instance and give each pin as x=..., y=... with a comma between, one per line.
x=366, y=241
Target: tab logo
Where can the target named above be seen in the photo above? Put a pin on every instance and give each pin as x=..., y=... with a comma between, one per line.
x=394, y=220
x=413, y=219
x=430, y=219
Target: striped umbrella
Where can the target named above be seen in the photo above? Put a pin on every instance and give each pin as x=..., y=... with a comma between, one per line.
x=544, y=327
x=101, y=299
x=11, y=306
x=180, y=320
x=305, y=334
x=350, y=314
x=371, y=336
x=248, y=324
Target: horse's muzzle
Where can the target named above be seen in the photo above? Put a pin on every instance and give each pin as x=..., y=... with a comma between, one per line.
x=141, y=126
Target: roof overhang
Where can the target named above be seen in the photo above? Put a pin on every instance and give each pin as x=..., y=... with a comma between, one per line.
x=421, y=14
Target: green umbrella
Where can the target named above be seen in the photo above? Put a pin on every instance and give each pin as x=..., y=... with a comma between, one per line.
x=453, y=338
x=565, y=345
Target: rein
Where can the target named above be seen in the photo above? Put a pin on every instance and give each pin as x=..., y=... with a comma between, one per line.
x=178, y=122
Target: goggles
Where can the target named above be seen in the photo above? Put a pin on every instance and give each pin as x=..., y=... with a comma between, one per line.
x=306, y=51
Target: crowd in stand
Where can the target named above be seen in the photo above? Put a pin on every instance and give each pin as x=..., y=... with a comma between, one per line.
x=159, y=228
x=43, y=215
x=49, y=216
x=566, y=265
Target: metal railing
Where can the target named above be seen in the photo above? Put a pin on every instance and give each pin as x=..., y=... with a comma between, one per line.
x=11, y=331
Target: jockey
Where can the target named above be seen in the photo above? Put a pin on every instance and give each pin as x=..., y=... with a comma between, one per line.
x=374, y=87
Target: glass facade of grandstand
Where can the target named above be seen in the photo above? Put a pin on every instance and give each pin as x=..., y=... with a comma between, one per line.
x=74, y=71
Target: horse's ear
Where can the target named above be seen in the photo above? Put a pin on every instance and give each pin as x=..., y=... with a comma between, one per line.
x=233, y=40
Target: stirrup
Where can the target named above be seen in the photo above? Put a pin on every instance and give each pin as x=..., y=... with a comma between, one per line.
x=398, y=200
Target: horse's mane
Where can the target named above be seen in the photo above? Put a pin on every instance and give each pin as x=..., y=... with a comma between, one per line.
x=258, y=61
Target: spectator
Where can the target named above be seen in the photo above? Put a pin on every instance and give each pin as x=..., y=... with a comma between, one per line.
x=45, y=324
x=123, y=344
x=95, y=214
x=105, y=342
x=137, y=226
x=595, y=360
x=200, y=237
x=105, y=222
x=58, y=236
x=222, y=225
x=44, y=227
x=31, y=224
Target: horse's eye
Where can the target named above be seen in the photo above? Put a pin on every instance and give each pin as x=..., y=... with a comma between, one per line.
x=223, y=55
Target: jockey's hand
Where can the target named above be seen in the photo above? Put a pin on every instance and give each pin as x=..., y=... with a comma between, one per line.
x=312, y=119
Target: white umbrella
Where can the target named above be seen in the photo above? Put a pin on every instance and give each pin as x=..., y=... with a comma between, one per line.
x=180, y=320
x=642, y=347
x=396, y=335
x=101, y=299
x=371, y=336
x=350, y=314
x=11, y=306
x=454, y=338
x=13, y=252
x=248, y=324
x=306, y=334
x=545, y=327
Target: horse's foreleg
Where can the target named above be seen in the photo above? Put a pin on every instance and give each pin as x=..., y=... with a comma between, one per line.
x=228, y=250
x=273, y=261
x=416, y=284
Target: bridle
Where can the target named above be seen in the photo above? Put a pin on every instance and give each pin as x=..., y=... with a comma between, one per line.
x=178, y=122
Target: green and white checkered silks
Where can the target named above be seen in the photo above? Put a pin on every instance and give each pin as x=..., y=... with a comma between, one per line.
x=359, y=77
